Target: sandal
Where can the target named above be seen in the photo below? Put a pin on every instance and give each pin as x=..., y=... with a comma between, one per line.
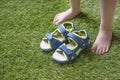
x=53, y=40
x=78, y=41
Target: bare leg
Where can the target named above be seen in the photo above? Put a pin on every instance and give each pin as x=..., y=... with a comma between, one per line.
x=103, y=40
x=68, y=14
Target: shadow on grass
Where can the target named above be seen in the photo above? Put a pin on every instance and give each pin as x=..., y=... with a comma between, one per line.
x=88, y=19
x=115, y=38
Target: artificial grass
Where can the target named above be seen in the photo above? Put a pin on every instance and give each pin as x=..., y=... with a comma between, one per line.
x=23, y=24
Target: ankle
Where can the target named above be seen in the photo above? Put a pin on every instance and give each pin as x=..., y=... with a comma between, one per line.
x=75, y=11
x=106, y=26
x=106, y=29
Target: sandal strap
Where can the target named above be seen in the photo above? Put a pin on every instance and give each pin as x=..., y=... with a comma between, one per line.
x=69, y=53
x=63, y=31
x=54, y=43
x=83, y=43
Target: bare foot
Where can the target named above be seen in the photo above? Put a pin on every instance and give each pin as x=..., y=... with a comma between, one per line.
x=61, y=17
x=103, y=42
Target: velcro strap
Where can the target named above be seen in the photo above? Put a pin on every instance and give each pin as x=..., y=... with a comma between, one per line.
x=48, y=36
x=63, y=31
x=76, y=38
x=54, y=43
x=69, y=53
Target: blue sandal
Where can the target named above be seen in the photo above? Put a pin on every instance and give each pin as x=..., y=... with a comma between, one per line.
x=53, y=40
x=77, y=42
